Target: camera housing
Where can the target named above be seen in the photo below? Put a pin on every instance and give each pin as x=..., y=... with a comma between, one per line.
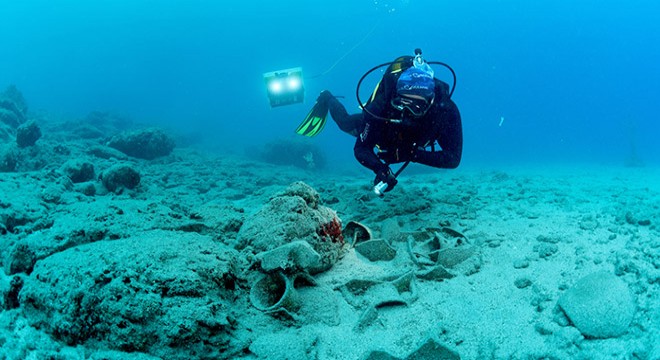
x=285, y=87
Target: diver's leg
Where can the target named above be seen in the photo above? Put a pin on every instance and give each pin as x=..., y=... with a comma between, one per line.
x=350, y=124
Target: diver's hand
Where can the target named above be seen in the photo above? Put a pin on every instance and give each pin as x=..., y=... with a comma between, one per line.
x=324, y=97
x=386, y=176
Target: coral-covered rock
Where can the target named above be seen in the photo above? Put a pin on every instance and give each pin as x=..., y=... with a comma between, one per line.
x=27, y=134
x=9, y=293
x=304, y=191
x=172, y=299
x=86, y=188
x=14, y=95
x=8, y=159
x=120, y=177
x=78, y=170
x=144, y=144
x=20, y=214
x=105, y=152
x=13, y=109
x=9, y=118
x=292, y=216
x=6, y=133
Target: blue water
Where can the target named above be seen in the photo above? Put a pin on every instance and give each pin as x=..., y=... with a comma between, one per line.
x=574, y=81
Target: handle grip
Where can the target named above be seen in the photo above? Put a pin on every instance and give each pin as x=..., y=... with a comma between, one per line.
x=379, y=189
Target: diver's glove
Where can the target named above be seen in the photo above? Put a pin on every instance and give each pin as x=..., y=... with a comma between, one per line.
x=385, y=176
x=324, y=97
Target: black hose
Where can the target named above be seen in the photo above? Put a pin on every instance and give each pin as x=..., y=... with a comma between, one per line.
x=357, y=89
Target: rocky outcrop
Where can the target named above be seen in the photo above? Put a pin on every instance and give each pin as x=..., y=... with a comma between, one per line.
x=27, y=134
x=13, y=112
x=143, y=144
x=120, y=177
x=296, y=152
x=78, y=170
x=173, y=299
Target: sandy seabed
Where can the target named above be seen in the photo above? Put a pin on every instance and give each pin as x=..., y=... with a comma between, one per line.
x=563, y=264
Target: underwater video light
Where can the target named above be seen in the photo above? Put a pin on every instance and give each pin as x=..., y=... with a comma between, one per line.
x=285, y=87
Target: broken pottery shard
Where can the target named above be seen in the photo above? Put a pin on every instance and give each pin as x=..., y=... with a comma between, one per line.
x=274, y=292
x=432, y=349
x=418, y=236
x=405, y=284
x=437, y=273
x=384, y=295
x=356, y=232
x=367, y=318
x=453, y=256
x=375, y=250
x=451, y=237
x=298, y=255
x=380, y=355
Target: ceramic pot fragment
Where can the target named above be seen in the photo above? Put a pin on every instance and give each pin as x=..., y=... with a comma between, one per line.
x=399, y=290
x=424, y=253
x=367, y=318
x=376, y=250
x=274, y=292
x=433, y=349
x=292, y=257
x=453, y=256
x=453, y=238
x=436, y=273
x=356, y=232
x=405, y=285
x=380, y=355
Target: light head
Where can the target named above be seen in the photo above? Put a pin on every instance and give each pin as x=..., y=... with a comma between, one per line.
x=285, y=87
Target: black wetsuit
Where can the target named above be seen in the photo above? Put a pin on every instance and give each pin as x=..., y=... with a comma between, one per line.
x=435, y=139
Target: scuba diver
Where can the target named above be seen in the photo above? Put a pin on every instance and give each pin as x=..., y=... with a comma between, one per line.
x=409, y=117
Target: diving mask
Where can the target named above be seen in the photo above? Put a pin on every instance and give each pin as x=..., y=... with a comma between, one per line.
x=416, y=105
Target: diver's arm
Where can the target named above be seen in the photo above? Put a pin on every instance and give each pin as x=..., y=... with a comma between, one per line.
x=450, y=139
x=374, y=115
x=364, y=150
